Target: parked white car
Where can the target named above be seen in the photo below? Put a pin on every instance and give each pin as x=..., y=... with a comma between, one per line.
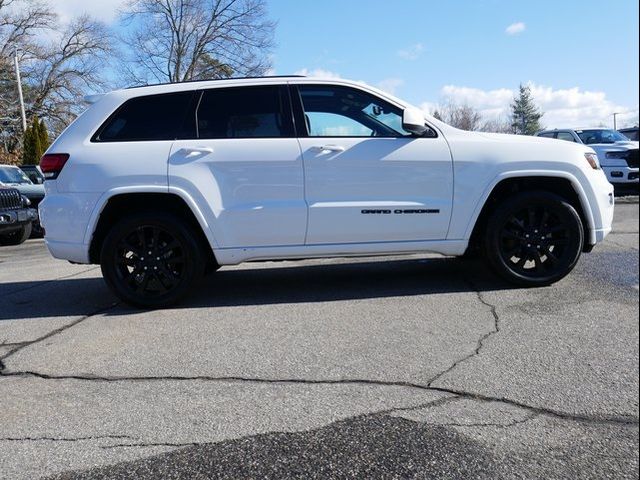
x=159, y=182
x=617, y=154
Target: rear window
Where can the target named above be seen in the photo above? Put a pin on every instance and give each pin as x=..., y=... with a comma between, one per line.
x=245, y=112
x=152, y=117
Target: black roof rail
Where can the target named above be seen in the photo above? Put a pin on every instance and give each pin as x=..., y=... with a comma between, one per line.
x=214, y=80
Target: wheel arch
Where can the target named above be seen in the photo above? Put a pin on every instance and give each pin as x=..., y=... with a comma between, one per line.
x=562, y=184
x=113, y=204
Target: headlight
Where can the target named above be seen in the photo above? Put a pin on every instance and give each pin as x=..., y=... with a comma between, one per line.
x=620, y=154
x=25, y=201
x=592, y=158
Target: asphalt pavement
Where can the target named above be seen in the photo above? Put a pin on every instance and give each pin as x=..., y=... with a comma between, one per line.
x=396, y=367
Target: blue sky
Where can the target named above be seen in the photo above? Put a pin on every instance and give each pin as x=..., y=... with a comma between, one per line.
x=581, y=57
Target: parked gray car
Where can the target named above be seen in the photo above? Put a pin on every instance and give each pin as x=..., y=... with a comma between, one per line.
x=617, y=154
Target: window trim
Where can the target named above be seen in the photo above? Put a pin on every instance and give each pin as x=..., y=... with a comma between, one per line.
x=95, y=138
x=286, y=111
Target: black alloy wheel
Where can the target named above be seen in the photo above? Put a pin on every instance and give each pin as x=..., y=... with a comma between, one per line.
x=534, y=239
x=150, y=260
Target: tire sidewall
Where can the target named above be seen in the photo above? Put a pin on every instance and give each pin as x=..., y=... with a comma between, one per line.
x=192, y=251
x=560, y=207
x=17, y=237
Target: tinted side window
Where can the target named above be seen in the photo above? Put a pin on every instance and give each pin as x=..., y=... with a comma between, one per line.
x=565, y=136
x=547, y=135
x=336, y=111
x=152, y=117
x=245, y=112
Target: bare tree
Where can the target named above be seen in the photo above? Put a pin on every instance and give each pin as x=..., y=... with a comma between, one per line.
x=64, y=71
x=468, y=118
x=463, y=117
x=497, y=125
x=20, y=21
x=59, y=64
x=180, y=40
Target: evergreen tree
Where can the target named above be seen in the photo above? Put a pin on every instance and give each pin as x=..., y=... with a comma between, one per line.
x=525, y=115
x=43, y=137
x=32, y=147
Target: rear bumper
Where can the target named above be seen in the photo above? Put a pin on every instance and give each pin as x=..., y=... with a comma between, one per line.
x=74, y=252
x=65, y=219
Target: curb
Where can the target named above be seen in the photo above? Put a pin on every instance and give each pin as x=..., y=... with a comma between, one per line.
x=628, y=200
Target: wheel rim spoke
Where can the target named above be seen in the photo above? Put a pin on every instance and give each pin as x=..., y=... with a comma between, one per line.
x=537, y=260
x=150, y=275
x=549, y=254
x=533, y=241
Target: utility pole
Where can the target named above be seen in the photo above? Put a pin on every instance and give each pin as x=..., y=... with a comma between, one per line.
x=614, y=120
x=22, y=112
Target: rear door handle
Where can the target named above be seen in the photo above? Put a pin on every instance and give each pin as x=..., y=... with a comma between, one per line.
x=194, y=150
x=329, y=148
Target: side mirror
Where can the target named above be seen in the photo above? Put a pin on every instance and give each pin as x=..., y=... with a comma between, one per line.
x=413, y=121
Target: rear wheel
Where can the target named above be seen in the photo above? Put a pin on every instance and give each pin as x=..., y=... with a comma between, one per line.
x=16, y=237
x=151, y=259
x=534, y=239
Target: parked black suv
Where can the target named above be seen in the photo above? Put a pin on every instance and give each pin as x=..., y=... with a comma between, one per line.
x=19, y=178
x=15, y=217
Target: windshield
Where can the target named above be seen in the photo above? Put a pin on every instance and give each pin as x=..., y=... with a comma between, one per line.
x=600, y=136
x=13, y=175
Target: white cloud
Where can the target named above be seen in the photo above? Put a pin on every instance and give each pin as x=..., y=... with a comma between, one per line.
x=390, y=85
x=103, y=10
x=515, y=28
x=563, y=108
x=317, y=72
x=411, y=53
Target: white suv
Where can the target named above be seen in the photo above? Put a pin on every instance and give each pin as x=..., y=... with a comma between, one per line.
x=159, y=183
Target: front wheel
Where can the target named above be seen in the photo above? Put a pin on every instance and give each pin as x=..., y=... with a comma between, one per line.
x=16, y=237
x=151, y=259
x=534, y=239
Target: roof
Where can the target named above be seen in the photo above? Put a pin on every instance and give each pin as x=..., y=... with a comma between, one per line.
x=229, y=80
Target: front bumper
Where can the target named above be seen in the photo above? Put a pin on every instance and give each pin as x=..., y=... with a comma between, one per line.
x=11, y=220
x=624, y=175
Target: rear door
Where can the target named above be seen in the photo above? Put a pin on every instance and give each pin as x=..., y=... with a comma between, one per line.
x=367, y=179
x=244, y=168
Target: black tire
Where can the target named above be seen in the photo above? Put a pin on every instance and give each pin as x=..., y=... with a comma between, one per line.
x=533, y=239
x=16, y=237
x=158, y=280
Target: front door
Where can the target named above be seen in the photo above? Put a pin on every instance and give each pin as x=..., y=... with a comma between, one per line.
x=367, y=179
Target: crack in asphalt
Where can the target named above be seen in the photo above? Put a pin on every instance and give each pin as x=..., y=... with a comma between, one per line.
x=481, y=340
x=65, y=439
x=428, y=405
x=595, y=419
x=19, y=346
x=528, y=418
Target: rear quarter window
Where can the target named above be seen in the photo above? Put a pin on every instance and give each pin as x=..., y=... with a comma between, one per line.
x=148, y=118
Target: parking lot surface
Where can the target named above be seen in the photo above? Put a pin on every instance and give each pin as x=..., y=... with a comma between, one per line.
x=409, y=367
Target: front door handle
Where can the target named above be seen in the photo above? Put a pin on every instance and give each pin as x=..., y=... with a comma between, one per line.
x=329, y=148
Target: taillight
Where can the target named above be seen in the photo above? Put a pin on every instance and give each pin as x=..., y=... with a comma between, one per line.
x=51, y=164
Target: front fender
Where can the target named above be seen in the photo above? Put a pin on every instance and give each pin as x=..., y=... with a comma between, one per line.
x=575, y=183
